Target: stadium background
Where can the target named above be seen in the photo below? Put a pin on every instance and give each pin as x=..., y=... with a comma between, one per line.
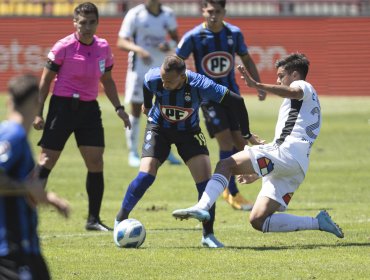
x=337, y=44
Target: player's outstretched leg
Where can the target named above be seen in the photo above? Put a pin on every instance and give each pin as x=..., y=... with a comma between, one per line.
x=328, y=225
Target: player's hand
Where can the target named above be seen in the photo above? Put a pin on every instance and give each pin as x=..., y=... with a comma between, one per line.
x=247, y=178
x=146, y=57
x=256, y=140
x=38, y=195
x=164, y=47
x=246, y=76
x=144, y=110
x=125, y=117
x=38, y=123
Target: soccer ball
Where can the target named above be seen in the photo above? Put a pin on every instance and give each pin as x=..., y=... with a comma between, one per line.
x=129, y=233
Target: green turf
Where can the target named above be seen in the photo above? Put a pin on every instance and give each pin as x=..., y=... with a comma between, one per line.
x=338, y=180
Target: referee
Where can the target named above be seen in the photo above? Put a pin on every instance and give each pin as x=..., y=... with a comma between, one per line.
x=78, y=63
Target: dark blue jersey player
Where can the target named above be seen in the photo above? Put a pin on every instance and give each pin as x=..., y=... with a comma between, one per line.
x=20, y=188
x=174, y=119
x=214, y=45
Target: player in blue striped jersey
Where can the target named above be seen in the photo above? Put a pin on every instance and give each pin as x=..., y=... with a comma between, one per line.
x=214, y=45
x=174, y=119
x=20, y=187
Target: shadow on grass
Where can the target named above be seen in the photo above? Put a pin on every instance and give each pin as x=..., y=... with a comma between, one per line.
x=267, y=248
x=298, y=247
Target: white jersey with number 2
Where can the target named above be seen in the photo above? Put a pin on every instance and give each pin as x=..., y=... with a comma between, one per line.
x=299, y=124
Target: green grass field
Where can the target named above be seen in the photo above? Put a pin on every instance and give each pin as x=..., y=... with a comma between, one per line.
x=338, y=180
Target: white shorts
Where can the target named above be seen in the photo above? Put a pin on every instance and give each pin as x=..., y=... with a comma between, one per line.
x=134, y=88
x=282, y=174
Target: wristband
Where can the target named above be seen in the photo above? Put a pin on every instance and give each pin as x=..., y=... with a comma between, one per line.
x=119, y=107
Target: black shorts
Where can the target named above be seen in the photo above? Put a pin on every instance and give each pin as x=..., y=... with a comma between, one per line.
x=218, y=118
x=157, y=143
x=66, y=117
x=15, y=267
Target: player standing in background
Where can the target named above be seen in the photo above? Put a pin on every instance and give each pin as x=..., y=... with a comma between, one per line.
x=214, y=45
x=78, y=63
x=144, y=34
x=283, y=163
x=20, y=188
x=174, y=119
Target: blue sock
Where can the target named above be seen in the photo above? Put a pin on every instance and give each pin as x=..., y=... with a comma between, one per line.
x=134, y=192
x=207, y=226
x=233, y=189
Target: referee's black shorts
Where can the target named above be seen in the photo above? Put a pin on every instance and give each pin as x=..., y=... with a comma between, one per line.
x=66, y=117
x=218, y=118
x=157, y=143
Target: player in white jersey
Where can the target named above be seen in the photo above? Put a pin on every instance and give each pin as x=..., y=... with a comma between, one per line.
x=282, y=164
x=144, y=34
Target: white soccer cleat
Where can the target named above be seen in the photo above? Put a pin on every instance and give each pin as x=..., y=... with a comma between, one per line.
x=211, y=241
x=328, y=225
x=192, y=212
x=133, y=159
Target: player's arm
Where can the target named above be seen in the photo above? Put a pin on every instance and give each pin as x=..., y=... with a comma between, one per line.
x=172, y=43
x=236, y=103
x=252, y=69
x=110, y=90
x=127, y=44
x=279, y=90
x=148, y=97
x=35, y=190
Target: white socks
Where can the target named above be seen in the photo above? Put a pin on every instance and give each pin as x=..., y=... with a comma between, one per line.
x=285, y=223
x=132, y=135
x=213, y=190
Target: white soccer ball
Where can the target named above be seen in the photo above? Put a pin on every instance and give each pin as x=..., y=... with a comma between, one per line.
x=129, y=233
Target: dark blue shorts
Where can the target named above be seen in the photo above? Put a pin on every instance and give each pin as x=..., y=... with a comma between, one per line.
x=21, y=266
x=158, y=141
x=219, y=118
x=66, y=117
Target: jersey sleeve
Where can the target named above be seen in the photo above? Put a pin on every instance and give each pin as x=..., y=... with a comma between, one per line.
x=57, y=53
x=302, y=85
x=172, y=23
x=185, y=46
x=128, y=25
x=109, y=60
x=208, y=89
x=241, y=47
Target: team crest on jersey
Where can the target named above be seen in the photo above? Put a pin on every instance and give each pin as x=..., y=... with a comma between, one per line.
x=175, y=114
x=217, y=64
x=265, y=165
x=187, y=96
x=102, y=65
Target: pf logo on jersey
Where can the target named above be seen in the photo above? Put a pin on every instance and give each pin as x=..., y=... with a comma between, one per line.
x=217, y=64
x=176, y=114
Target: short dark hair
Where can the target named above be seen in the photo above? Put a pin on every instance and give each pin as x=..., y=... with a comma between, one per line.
x=174, y=63
x=22, y=87
x=85, y=9
x=222, y=3
x=295, y=62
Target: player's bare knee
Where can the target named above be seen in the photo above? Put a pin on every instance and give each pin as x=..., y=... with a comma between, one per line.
x=256, y=222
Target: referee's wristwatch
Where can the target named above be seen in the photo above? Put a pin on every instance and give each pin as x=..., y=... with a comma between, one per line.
x=119, y=107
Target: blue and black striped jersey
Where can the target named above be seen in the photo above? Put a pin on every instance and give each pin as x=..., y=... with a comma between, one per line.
x=179, y=109
x=18, y=221
x=214, y=53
